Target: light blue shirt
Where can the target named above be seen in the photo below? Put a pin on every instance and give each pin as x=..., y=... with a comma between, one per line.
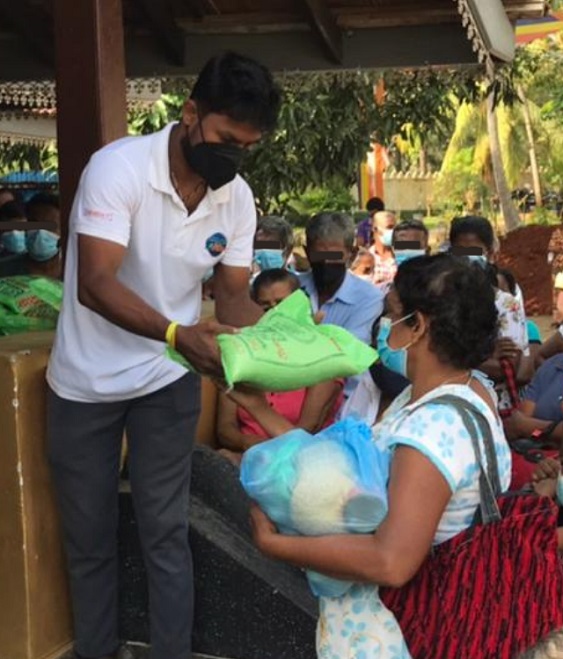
x=355, y=306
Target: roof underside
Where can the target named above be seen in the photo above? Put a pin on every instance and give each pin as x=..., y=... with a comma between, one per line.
x=174, y=37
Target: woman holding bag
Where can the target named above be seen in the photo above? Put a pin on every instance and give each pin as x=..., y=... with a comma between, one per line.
x=446, y=441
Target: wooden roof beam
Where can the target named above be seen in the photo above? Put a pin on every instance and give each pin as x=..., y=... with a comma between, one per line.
x=203, y=8
x=161, y=22
x=325, y=25
x=30, y=26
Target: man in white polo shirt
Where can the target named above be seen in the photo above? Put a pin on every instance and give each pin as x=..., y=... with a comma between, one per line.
x=151, y=216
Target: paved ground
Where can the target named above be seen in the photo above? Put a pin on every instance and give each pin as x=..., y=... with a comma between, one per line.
x=139, y=652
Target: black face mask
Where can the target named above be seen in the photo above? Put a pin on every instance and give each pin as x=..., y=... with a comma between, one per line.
x=216, y=163
x=328, y=276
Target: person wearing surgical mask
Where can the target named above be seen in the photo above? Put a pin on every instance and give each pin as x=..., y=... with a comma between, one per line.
x=382, y=249
x=472, y=239
x=410, y=239
x=273, y=244
x=12, y=241
x=433, y=491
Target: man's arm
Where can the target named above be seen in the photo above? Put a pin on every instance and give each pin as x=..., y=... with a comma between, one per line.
x=553, y=346
x=233, y=304
x=100, y=290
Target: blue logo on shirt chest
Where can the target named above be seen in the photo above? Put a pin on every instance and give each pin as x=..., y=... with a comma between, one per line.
x=216, y=244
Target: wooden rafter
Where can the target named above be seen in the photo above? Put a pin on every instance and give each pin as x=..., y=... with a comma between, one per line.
x=204, y=8
x=161, y=23
x=29, y=24
x=325, y=25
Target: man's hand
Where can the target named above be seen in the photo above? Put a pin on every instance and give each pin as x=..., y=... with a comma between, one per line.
x=198, y=344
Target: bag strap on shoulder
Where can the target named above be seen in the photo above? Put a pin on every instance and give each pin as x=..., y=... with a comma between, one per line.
x=476, y=423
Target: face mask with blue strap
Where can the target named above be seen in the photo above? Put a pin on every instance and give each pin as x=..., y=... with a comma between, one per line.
x=269, y=259
x=408, y=254
x=42, y=245
x=14, y=242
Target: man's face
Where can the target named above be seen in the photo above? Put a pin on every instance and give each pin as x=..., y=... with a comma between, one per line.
x=383, y=221
x=471, y=240
x=217, y=128
x=412, y=236
x=336, y=249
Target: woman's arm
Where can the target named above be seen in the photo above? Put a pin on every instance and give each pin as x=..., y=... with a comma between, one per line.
x=228, y=431
x=418, y=496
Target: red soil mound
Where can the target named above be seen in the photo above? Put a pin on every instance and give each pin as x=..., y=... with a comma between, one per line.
x=524, y=253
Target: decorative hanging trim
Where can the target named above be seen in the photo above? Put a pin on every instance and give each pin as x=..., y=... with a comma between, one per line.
x=474, y=35
x=42, y=94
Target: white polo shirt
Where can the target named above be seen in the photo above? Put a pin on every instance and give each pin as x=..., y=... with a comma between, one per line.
x=126, y=196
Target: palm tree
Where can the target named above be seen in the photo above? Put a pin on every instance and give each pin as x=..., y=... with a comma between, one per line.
x=496, y=139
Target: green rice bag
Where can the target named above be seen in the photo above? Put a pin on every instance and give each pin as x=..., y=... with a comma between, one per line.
x=29, y=304
x=286, y=350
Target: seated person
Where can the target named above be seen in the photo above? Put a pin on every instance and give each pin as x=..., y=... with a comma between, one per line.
x=344, y=299
x=13, y=248
x=273, y=244
x=364, y=265
x=475, y=234
x=542, y=405
x=248, y=418
x=410, y=239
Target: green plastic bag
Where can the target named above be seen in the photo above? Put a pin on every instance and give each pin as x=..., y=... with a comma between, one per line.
x=29, y=304
x=286, y=350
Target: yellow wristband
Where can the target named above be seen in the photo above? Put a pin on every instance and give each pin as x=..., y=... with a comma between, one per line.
x=171, y=334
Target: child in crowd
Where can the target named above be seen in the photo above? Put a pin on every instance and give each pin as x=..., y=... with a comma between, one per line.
x=248, y=418
x=364, y=265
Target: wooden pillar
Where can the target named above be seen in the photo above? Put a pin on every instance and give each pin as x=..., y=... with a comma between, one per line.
x=91, y=90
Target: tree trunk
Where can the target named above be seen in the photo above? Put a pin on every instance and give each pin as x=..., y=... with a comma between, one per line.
x=536, y=182
x=509, y=212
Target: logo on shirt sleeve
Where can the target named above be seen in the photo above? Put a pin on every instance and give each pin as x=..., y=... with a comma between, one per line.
x=216, y=244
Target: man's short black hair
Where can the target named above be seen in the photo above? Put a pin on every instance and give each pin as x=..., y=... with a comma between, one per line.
x=275, y=276
x=375, y=205
x=478, y=226
x=412, y=225
x=239, y=87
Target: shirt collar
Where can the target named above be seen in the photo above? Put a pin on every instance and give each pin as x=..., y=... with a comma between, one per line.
x=159, y=169
x=347, y=292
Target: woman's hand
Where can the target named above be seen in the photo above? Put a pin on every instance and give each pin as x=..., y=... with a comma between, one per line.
x=264, y=532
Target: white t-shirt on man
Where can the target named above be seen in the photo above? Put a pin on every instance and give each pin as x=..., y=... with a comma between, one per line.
x=126, y=196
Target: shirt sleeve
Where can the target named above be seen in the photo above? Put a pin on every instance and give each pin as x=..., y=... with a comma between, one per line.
x=540, y=381
x=240, y=247
x=365, y=315
x=107, y=197
x=438, y=432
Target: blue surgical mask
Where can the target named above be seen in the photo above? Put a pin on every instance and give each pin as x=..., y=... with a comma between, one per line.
x=406, y=254
x=269, y=259
x=42, y=245
x=14, y=241
x=387, y=237
x=479, y=259
x=394, y=360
